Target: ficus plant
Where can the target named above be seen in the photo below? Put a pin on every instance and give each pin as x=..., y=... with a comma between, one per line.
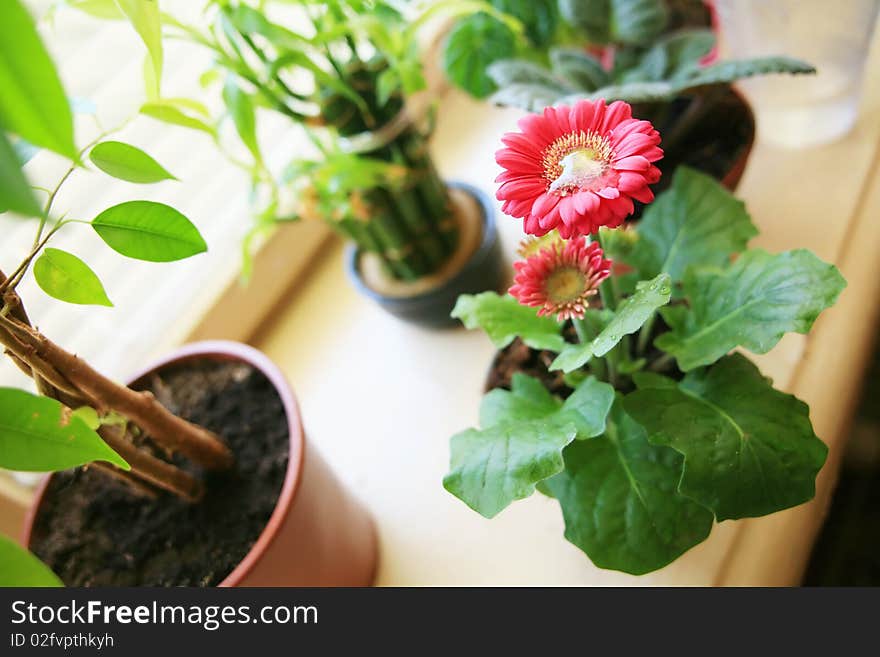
x=342, y=72
x=650, y=422
x=79, y=416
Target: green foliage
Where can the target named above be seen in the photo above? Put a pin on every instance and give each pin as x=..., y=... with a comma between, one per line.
x=503, y=319
x=752, y=304
x=696, y=222
x=619, y=499
x=628, y=318
x=749, y=450
x=173, y=113
x=128, y=162
x=473, y=44
x=18, y=567
x=616, y=21
x=145, y=18
x=540, y=19
x=521, y=442
x=15, y=193
x=33, y=103
x=241, y=109
x=64, y=276
x=146, y=230
x=578, y=69
x=38, y=434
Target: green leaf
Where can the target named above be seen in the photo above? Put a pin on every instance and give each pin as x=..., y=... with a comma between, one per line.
x=506, y=72
x=749, y=450
x=150, y=231
x=15, y=191
x=579, y=69
x=619, y=499
x=539, y=18
x=37, y=434
x=65, y=277
x=33, y=103
x=503, y=319
x=128, y=162
x=521, y=443
x=105, y=9
x=241, y=109
x=731, y=70
x=18, y=567
x=529, y=97
x=473, y=44
x=616, y=21
x=676, y=54
x=695, y=222
x=752, y=303
x=628, y=318
x=169, y=112
x=146, y=19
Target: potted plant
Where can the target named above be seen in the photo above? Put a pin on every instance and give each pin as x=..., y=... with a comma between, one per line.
x=629, y=398
x=344, y=73
x=196, y=474
x=625, y=50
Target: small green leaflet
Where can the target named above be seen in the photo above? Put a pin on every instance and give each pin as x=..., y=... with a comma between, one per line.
x=15, y=191
x=146, y=230
x=128, y=162
x=752, y=303
x=619, y=500
x=524, y=431
x=65, y=277
x=628, y=318
x=145, y=18
x=37, y=434
x=241, y=109
x=503, y=319
x=18, y=567
x=749, y=450
x=473, y=44
x=695, y=222
x=174, y=113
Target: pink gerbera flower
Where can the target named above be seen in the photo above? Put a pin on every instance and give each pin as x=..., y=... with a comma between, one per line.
x=577, y=168
x=561, y=278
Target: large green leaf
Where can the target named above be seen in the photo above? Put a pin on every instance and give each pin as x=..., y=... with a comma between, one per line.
x=619, y=499
x=64, y=276
x=473, y=44
x=15, y=191
x=128, y=162
x=540, y=19
x=32, y=101
x=241, y=109
x=37, y=434
x=695, y=222
x=150, y=231
x=146, y=19
x=521, y=443
x=530, y=97
x=18, y=567
x=506, y=72
x=578, y=68
x=503, y=319
x=749, y=450
x=628, y=318
x=616, y=21
x=674, y=55
x=751, y=303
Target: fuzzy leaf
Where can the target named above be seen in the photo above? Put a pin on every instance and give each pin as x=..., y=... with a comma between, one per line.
x=65, y=277
x=695, y=222
x=529, y=97
x=503, y=319
x=522, y=445
x=674, y=55
x=18, y=567
x=628, y=318
x=752, y=304
x=33, y=104
x=619, y=499
x=506, y=72
x=473, y=44
x=146, y=230
x=749, y=450
x=616, y=21
x=38, y=435
x=579, y=69
x=128, y=162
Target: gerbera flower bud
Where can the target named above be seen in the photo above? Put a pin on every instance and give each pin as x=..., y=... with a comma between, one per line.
x=577, y=168
x=561, y=278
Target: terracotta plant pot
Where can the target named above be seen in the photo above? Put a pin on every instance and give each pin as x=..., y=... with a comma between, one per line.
x=318, y=534
x=485, y=269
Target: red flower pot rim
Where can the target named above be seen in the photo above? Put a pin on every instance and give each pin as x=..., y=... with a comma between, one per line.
x=225, y=350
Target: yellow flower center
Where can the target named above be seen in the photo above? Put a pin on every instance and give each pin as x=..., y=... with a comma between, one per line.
x=565, y=285
x=575, y=160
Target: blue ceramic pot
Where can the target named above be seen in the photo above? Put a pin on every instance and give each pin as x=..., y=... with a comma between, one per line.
x=485, y=270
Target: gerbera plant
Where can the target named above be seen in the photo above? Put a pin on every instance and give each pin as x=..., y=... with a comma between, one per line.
x=80, y=416
x=636, y=406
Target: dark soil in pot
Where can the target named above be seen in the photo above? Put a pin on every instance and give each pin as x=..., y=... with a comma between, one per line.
x=92, y=531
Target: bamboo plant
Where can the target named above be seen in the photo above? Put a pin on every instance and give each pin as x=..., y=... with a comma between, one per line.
x=78, y=415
